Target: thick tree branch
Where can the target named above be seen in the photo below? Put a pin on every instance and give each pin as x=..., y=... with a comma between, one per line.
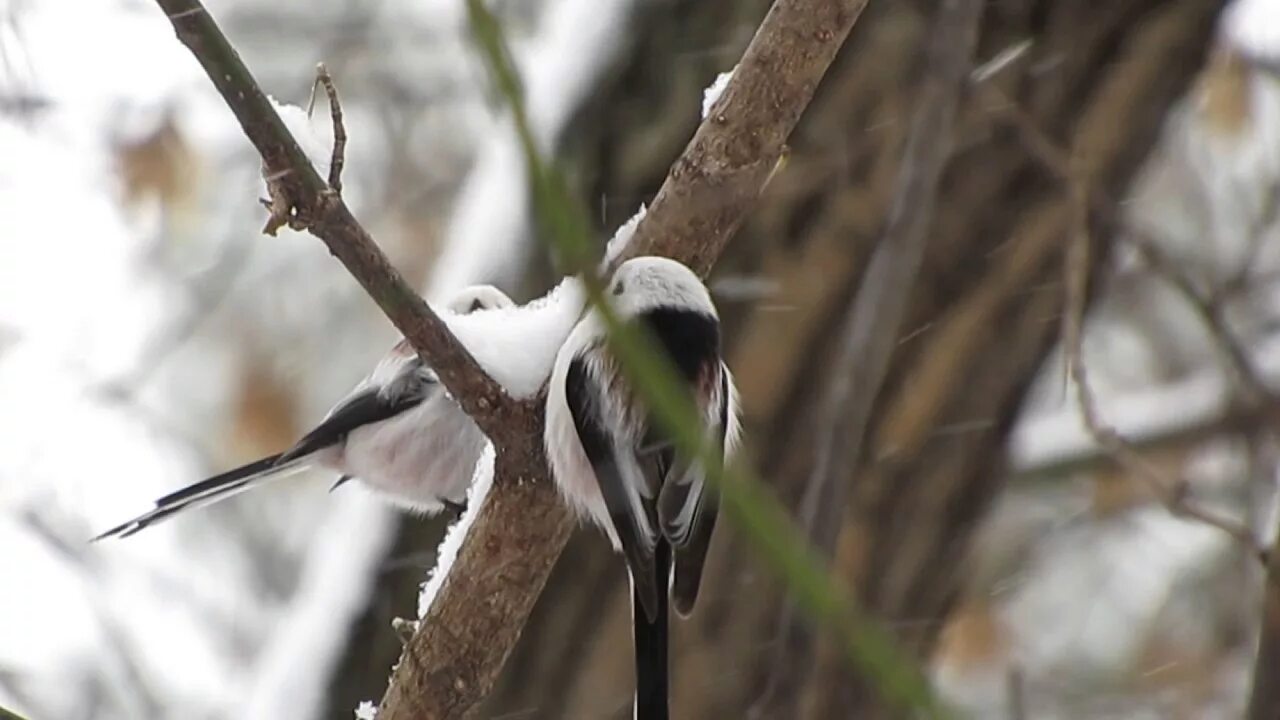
x=714, y=182
x=311, y=204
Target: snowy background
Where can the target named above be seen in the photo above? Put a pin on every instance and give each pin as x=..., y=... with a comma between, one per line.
x=150, y=335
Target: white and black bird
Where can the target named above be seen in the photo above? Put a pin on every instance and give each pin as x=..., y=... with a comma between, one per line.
x=618, y=468
x=398, y=432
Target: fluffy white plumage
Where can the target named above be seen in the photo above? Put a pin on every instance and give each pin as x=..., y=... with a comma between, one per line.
x=640, y=285
x=620, y=469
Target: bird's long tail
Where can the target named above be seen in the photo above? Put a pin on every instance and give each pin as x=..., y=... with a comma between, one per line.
x=651, y=644
x=206, y=492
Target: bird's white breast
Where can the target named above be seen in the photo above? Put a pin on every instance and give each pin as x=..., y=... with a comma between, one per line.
x=417, y=457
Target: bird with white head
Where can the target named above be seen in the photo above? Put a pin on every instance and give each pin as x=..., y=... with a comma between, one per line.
x=620, y=470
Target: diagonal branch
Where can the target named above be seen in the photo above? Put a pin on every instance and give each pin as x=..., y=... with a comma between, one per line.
x=715, y=181
x=309, y=203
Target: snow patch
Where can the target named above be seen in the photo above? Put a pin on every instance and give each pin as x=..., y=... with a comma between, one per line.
x=517, y=345
x=317, y=150
x=622, y=238
x=1254, y=27
x=712, y=93
x=481, y=481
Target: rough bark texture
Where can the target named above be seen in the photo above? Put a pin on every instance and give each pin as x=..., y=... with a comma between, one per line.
x=1100, y=78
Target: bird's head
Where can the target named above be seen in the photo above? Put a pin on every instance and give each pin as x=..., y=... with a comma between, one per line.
x=649, y=283
x=479, y=297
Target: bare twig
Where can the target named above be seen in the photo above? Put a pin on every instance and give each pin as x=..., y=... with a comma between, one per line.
x=1016, y=693
x=453, y=660
x=1173, y=493
x=1250, y=383
x=875, y=314
x=338, y=158
x=1264, y=697
x=301, y=199
x=1200, y=423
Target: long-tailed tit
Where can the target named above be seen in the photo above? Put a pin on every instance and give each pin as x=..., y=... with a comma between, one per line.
x=620, y=470
x=398, y=432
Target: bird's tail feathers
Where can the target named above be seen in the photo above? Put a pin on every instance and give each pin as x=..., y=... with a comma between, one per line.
x=209, y=491
x=652, y=675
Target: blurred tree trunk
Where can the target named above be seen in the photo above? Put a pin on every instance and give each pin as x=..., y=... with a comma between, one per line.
x=1099, y=78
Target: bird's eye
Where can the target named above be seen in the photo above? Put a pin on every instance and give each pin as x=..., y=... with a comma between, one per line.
x=617, y=288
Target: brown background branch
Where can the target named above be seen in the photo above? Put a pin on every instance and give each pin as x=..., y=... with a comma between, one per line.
x=874, y=319
x=1264, y=697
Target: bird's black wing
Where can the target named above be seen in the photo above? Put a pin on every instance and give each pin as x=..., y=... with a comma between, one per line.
x=366, y=406
x=632, y=514
x=688, y=507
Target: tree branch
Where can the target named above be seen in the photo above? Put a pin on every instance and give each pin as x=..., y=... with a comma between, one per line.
x=1173, y=492
x=714, y=182
x=1264, y=697
x=309, y=203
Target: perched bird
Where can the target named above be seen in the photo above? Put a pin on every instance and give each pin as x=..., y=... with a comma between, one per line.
x=615, y=466
x=398, y=432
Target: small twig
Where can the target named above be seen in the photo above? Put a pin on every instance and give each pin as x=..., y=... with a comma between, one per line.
x=339, y=130
x=1264, y=695
x=1173, y=494
x=1016, y=685
x=1255, y=391
x=301, y=199
x=1000, y=62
